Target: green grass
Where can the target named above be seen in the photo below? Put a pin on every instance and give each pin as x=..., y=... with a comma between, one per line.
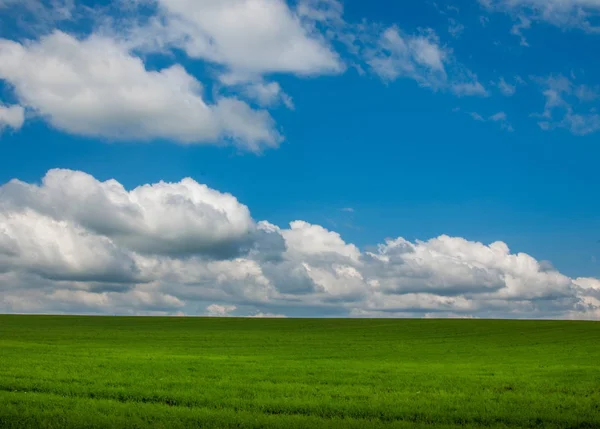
x=96, y=372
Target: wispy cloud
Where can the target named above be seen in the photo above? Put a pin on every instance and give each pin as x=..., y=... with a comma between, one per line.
x=580, y=14
x=506, y=88
x=500, y=118
x=568, y=105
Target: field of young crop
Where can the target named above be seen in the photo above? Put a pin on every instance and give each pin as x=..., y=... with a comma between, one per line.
x=96, y=372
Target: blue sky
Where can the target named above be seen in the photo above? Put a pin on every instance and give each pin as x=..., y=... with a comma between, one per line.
x=472, y=119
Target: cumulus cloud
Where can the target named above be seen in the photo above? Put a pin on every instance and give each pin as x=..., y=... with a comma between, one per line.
x=267, y=316
x=96, y=87
x=103, y=84
x=217, y=310
x=270, y=36
x=70, y=301
x=75, y=244
x=60, y=250
x=184, y=218
x=314, y=240
x=11, y=117
x=455, y=266
x=254, y=37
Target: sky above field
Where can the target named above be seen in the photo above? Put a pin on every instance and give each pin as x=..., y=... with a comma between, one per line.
x=303, y=159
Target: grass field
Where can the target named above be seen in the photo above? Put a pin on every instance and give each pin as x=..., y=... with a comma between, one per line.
x=80, y=372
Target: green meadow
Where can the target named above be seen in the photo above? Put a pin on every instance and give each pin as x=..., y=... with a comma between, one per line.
x=139, y=372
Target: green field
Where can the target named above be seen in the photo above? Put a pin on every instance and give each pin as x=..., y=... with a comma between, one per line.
x=80, y=372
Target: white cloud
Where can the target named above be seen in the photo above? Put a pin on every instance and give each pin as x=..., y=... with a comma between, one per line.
x=217, y=310
x=11, y=117
x=314, y=240
x=98, y=86
x=588, y=283
x=418, y=57
x=320, y=10
x=523, y=23
x=506, y=88
x=57, y=249
x=35, y=16
x=96, y=255
x=455, y=28
x=265, y=94
x=477, y=116
x=248, y=36
x=567, y=106
x=95, y=87
x=69, y=301
x=499, y=117
x=562, y=13
x=502, y=119
x=589, y=307
x=473, y=88
x=262, y=315
x=422, y=58
x=166, y=218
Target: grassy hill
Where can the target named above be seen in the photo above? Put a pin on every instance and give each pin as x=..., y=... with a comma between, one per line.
x=75, y=372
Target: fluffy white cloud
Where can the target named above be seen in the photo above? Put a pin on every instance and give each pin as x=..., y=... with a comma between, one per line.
x=95, y=87
x=75, y=244
x=11, y=116
x=267, y=316
x=183, y=218
x=315, y=241
x=70, y=301
x=588, y=283
x=245, y=36
x=455, y=266
x=589, y=305
x=57, y=249
x=217, y=310
x=98, y=86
